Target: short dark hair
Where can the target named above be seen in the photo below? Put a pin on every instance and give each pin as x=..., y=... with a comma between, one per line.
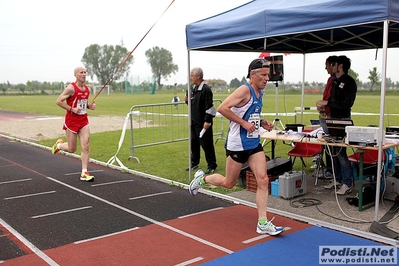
x=345, y=61
x=332, y=59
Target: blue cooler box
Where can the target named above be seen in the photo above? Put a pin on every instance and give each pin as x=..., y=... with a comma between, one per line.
x=275, y=191
x=292, y=184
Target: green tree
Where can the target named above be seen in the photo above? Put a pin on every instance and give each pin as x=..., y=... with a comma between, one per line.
x=354, y=75
x=234, y=83
x=102, y=62
x=46, y=86
x=217, y=83
x=21, y=87
x=145, y=86
x=29, y=85
x=389, y=84
x=3, y=87
x=33, y=85
x=374, y=77
x=161, y=62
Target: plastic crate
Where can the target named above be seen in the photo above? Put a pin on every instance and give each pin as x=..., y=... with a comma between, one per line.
x=250, y=181
x=251, y=184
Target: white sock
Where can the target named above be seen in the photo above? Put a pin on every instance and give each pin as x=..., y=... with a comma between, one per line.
x=84, y=171
x=59, y=146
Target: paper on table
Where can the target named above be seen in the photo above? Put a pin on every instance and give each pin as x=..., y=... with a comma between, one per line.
x=314, y=132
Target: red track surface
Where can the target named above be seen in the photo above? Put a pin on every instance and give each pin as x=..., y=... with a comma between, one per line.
x=232, y=229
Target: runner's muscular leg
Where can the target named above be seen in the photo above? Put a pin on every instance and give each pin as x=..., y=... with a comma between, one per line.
x=84, y=136
x=257, y=163
x=70, y=145
x=233, y=169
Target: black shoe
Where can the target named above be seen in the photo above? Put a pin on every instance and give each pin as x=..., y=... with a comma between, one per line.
x=193, y=167
x=209, y=171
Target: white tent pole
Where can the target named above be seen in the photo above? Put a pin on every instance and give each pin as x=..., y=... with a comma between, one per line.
x=277, y=101
x=189, y=114
x=382, y=111
x=303, y=86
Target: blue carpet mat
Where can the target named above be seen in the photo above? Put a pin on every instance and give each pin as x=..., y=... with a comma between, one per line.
x=299, y=248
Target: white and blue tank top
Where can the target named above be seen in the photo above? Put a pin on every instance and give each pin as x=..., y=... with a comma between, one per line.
x=238, y=138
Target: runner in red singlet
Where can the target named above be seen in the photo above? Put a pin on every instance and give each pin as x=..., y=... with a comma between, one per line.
x=75, y=100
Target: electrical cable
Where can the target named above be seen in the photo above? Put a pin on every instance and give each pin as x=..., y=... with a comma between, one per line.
x=308, y=202
x=305, y=202
x=343, y=220
x=336, y=195
x=395, y=217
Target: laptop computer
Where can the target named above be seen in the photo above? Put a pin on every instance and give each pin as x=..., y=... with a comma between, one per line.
x=336, y=127
x=314, y=122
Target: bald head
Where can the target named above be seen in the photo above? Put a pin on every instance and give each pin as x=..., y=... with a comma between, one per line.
x=78, y=69
x=80, y=74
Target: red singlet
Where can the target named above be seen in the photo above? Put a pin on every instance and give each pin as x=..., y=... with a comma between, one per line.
x=75, y=122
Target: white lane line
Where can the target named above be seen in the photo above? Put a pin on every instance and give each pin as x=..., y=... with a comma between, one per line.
x=111, y=183
x=47, y=118
x=28, y=244
x=197, y=259
x=66, y=211
x=151, y=195
x=30, y=195
x=104, y=236
x=261, y=237
x=15, y=181
x=194, y=214
x=255, y=239
x=78, y=173
x=198, y=239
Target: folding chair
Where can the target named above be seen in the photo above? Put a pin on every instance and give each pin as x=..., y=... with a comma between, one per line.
x=370, y=161
x=303, y=149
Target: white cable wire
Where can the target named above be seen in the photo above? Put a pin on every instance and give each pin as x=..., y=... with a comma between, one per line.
x=335, y=191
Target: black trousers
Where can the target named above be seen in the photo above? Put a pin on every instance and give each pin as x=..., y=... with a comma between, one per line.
x=206, y=142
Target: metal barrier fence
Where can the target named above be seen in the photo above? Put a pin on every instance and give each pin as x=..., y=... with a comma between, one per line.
x=154, y=124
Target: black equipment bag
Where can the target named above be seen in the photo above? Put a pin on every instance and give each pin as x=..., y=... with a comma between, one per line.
x=278, y=166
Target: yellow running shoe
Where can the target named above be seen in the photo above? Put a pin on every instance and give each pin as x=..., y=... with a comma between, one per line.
x=55, y=148
x=86, y=177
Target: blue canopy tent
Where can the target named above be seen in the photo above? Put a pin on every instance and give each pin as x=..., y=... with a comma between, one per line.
x=306, y=26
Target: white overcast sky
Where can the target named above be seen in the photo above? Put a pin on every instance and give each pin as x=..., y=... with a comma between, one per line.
x=44, y=40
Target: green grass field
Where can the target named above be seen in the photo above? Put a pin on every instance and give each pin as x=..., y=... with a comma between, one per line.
x=170, y=160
